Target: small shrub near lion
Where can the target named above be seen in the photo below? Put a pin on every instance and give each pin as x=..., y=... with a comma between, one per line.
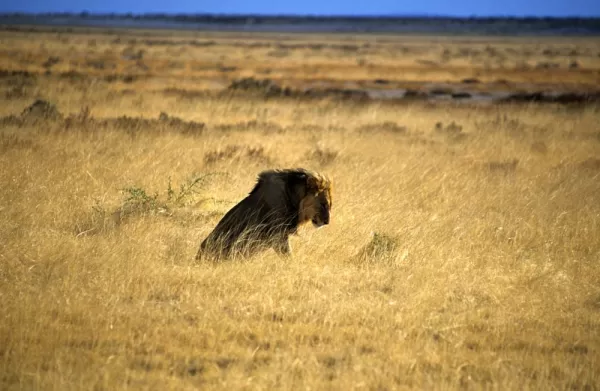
x=279, y=203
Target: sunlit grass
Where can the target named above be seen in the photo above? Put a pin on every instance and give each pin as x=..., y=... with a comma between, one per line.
x=463, y=250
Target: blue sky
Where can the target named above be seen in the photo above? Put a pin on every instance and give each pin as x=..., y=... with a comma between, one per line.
x=318, y=7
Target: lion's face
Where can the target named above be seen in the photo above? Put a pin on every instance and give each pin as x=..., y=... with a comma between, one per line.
x=316, y=205
x=322, y=209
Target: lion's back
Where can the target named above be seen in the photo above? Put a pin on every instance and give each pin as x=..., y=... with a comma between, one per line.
x=249, y=224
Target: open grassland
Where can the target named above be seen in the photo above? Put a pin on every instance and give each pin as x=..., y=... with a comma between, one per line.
x=463, y=253
x=146, y=61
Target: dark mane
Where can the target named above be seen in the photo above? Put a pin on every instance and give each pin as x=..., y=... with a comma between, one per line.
x=286, y=175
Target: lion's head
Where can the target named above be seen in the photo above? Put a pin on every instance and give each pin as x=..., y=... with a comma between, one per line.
x=309, y=192
x=316, y=203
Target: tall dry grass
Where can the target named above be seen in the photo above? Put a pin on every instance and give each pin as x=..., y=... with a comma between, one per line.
x=150, y=60
x=463, y=251
x=447, y=264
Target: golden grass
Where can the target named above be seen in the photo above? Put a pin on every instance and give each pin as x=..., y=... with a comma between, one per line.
x=463, y=251
x=214, y=59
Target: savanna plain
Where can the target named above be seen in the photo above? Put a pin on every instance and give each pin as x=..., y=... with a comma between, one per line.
x=463, y=250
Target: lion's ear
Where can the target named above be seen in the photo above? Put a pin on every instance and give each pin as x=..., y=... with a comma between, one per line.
x=312, y=184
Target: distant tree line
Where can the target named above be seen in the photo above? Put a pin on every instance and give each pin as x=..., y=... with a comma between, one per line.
x=472, y=24
x=259, y=18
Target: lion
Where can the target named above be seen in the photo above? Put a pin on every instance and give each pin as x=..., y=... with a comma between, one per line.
x=280, y=202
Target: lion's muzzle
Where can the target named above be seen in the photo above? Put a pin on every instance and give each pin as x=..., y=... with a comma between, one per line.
x=321, y=218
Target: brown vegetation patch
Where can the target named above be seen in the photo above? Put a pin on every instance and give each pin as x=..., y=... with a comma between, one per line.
x=15, y=141
x=8, y=74
x=52, y=60
x=73, y=76
x=249, y=125
x=381, y=249
x=324, y=156
x=265, y=87
x=186, y=127
x=553, y=97
x=125, y=78
x=451, y=128
x=539, y=147
x=41, y=110
x=386, y=126
x=236, y=153
x=452, y=132
x=591, y=164
x=18, y=84
x=269, y=88
x=506, y=166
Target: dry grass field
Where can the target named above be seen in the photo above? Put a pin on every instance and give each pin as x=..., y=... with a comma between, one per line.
x=463, y=252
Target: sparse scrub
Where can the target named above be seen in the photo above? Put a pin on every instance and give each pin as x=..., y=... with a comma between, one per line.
x=503, y=166
x=323, y=156
x=250, y=125
x=14, y=141
x=41, y=110
x=186, y=127
x=381, y=250
x=539, y=147
x=451, y=128
x=52, y=60
x=387, y=126
x=137, y=202
x=236, y=152
x=452, y=131
x=591, y=164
